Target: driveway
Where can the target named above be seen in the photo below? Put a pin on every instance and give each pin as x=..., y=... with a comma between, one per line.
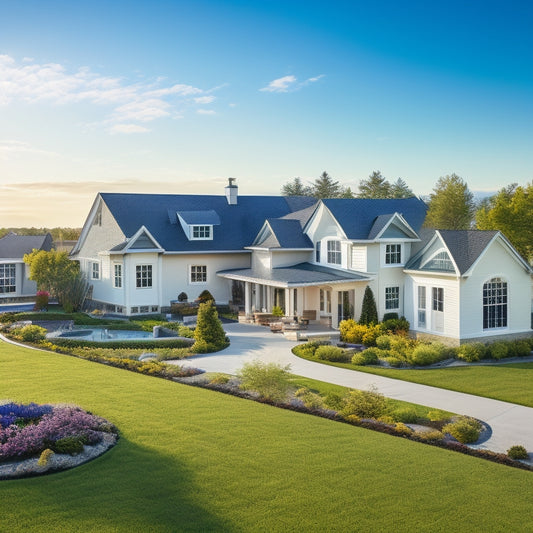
x=511, y=424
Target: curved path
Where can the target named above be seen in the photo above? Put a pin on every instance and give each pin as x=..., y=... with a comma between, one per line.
x=511, y=424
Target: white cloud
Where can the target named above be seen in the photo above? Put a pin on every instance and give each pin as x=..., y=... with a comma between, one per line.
x=128, y=128
x=206, y=112
x=280, y=85
x=205, y=99
x=12, y=149
x=34, y=83
x=288, y=84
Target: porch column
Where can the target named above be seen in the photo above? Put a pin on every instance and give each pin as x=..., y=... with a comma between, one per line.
x=247, y=298
x=334, y=308
x=288, y=304
x=268, y=301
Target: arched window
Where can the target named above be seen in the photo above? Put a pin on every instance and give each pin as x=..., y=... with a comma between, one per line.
x=495, y=304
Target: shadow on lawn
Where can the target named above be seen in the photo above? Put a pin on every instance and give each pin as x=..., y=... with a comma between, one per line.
x=130, y=488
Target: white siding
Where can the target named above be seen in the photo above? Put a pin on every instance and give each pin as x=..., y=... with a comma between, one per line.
x=281, y=259
x=359, y=258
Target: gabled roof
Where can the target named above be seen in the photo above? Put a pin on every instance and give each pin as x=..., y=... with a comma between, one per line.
x=358, y=216
x=204, y=218
x=282, y=233
x=464, y=248
x=13, y=246
x=391, y=226
x=239, y=224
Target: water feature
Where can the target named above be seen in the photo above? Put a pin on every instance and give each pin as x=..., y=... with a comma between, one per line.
x=102, y=334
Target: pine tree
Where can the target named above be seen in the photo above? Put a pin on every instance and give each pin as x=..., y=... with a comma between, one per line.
x=369, y=312
x=295, y=188
x=209, y=332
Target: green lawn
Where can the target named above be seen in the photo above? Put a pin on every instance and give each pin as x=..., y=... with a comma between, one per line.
x=191, y=459
x=507, y=382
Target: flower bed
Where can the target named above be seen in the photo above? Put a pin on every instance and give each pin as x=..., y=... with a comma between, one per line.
x=35, y=439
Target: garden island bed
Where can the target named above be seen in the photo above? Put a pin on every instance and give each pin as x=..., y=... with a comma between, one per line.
x=42, y=439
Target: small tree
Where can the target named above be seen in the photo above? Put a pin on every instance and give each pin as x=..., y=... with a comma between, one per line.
x=205, y=296
x=369, y=312
x=270, y=380
x=209, y=329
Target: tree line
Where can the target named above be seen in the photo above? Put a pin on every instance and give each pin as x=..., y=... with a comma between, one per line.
x=451, y=204
x=58, y=234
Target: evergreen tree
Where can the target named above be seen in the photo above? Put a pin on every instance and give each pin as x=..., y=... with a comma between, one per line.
x=376, y=186
x=369, y=312
x=400, y=189
x=326, y=187
x=451, y=204
x=295, y=188
x=209, y=331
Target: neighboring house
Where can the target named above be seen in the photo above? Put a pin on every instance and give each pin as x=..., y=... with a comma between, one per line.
x=312, y=258
x=14, y=282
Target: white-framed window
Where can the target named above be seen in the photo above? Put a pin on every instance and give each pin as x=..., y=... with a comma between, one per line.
x=318, y=246
x=8, y=278
x=495, y=304
x=438, y=299
x=201, y=232
x=393, y=254
x=421, y=306
x=439, y=261
x=392, y=297
x=143, y=274
x=198, y=274
x=117, y=279
x=334, y=252
x=95, y=270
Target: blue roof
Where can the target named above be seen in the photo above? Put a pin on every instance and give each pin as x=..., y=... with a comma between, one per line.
x=289, y=233
x=357, y=216
x=206, y=218
x=239, y=224
x=13, y=246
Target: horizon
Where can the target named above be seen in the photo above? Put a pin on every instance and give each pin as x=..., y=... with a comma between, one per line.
x=176, y=97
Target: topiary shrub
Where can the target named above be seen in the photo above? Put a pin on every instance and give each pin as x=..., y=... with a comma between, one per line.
x=182, y=297
x=270, y=380
x=331, y=353
x=369, y=312
x=205, y=296
x=370, y=356
x=465, y=429
x=364, y=404
x=517, y=452
x=471, y=352
x=209, y=328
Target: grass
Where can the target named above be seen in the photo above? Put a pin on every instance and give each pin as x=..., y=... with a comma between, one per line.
x=510, y=382
x=190, y=459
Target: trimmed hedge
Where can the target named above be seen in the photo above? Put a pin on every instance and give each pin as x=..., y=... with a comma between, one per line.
x=163, y=342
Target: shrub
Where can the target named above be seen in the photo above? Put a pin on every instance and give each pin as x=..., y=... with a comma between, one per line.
x=41, y=300
x=209, y=328
x=305, y=350
x=394, y=361
x=364, y=404
x=220, y=379
x=517, y=452
x=30, y=333
x=182, y=297
x=407, y=415
x=519, y=348
x=471, y=352
x=390, y=316
x=397, y=326
x=45, y=457
x=354, y=333
x=498, y=350
x=71, y=445
x=430, y=436
x=401, y=429
x=331, y=353
x=369, y=312
x=401, y=347
x=205, y=296
x=311, y=399
x=334, y=401
x=464, y=429
x=277, y=311
x=436, y=414
x=270, y=380
x=384, y=342
x=427, y=354
x=370, y=356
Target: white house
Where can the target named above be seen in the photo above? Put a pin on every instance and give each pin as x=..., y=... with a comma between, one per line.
x=15, y=284
x=140, y=251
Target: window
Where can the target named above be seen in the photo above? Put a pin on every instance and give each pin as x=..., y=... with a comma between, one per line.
x=422, y=306
x=118, y=276
x=438, y=299
x=8, y=278
x=393, y=254
x=325, y=301
x=143, y=276
x=198, y=274
x=95, y=270
x=317, y=252
x=201, y=232
x=334, y=252
x=495, y=304
x=440, y=261
x=392, y=297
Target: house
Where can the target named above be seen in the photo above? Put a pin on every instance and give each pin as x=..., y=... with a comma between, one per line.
x=312, y=258
x=14, y=282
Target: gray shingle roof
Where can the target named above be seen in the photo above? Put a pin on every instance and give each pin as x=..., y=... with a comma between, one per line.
x=302, y=274
x=288, y=233
x=358, y=216
x=13, y=246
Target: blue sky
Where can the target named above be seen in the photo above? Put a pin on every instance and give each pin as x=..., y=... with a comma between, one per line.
x=178, y=96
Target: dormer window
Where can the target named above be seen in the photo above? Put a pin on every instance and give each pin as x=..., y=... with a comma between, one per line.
x=334, y=252
x=393, y=254
x=201, y=232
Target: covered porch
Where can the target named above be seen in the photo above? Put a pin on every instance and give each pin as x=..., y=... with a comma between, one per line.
x=309, y=295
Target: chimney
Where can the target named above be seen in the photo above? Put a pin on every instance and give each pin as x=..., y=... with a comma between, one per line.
x=231, y=192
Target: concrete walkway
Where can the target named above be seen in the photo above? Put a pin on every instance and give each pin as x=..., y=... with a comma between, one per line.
x=510, y=423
